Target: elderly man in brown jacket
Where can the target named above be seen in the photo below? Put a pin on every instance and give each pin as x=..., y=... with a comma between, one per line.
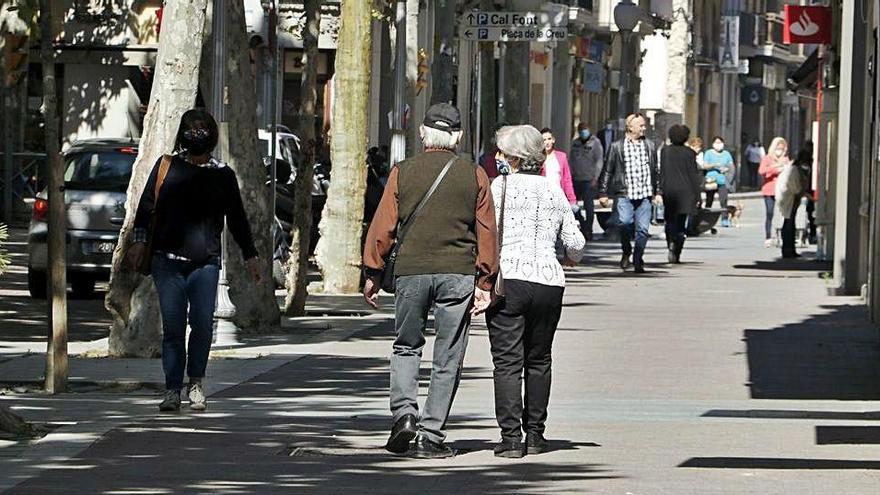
x=448, y=262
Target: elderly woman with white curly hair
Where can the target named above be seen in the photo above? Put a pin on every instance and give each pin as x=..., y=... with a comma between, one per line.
x=532, y=214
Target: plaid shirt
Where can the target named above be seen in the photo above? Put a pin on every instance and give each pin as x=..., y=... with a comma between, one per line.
x=141, y=235
x=638, y=169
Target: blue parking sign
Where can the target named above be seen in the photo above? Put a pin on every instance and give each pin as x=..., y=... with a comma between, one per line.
x=482, y=19
x=482, y=34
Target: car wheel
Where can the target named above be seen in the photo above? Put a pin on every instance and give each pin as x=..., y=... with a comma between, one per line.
x=82, y=285
x=37, y=283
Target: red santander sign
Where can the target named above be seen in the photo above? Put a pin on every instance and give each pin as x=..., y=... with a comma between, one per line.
x=807, y=24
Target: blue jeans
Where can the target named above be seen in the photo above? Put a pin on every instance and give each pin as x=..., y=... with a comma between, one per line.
x=770, y=207
x=183, y=284
x=634, y=217
x=451, y=297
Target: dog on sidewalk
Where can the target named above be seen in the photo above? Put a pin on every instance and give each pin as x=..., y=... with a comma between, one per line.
x=734, y=212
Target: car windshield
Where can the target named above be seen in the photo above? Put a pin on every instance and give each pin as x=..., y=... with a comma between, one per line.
x=99, y=170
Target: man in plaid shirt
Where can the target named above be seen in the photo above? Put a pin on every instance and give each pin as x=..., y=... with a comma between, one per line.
x=631, y=176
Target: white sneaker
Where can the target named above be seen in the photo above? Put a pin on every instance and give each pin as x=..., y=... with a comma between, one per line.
x=197, y=400
x=768, y=243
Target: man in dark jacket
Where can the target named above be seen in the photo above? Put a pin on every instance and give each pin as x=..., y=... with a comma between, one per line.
x=586, y=163
x=632, y=178
x=447, y=260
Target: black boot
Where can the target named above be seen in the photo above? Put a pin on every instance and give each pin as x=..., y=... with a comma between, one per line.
x=512, y=449
x=639, y=266
x=678, y=247
x=625, y=261
x=536, y=444
x=402, y=433
x=427, y=449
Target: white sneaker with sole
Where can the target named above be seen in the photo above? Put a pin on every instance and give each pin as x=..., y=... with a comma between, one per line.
x=197, y=400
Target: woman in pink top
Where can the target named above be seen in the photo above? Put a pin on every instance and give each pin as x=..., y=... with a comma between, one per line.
x=771, y=166
x=556, y=168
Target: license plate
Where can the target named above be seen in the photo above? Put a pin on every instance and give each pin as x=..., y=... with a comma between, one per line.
x=100, y=247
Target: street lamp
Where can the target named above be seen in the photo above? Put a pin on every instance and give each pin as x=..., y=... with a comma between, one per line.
x=626, y=16
x=398, y=131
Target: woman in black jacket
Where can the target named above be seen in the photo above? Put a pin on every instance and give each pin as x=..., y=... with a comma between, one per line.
x=182, y=210
x=681, y=184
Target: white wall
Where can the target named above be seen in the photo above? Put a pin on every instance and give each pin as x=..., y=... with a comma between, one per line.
x=653, y=73
x=97, y=102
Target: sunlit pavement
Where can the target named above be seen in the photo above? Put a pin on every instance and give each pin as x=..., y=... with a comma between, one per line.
x=731, y=373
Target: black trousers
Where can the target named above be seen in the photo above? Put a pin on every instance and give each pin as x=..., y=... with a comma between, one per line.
x=722, y=196
x=521, y=329
x=789, y=230
x=676, y=230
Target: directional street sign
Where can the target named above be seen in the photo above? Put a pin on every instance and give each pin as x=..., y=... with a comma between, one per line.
x=516, y=19
x=538, y=34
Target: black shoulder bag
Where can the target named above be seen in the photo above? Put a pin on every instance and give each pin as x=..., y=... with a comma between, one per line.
x=388, y=281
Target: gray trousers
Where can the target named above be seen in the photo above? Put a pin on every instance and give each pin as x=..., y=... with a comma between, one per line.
x=451, y=296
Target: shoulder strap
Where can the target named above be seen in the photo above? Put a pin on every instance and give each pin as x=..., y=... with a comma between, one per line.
x=405, y=225
x=160, y=178
x=501, y=218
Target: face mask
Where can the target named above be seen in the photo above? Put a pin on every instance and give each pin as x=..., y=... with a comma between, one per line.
x=502, y=165
x=718, y=147
x=585, y=134
x=196, y=141
x=608, y=127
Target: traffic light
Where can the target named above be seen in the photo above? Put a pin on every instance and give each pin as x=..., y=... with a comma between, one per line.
x=14, y=58
x=422, y=80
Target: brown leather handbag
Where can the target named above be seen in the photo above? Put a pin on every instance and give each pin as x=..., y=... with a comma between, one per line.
x=146, y=264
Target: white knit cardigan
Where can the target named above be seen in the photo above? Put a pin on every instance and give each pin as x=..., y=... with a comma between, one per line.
x=536, y=215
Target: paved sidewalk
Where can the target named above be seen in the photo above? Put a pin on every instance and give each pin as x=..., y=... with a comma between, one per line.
x=732, y=373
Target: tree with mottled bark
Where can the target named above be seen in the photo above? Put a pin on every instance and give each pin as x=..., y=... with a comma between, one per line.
x=256, y=309
x=56, y=349
x=339, y=251
x=132, y=300
x=298, y=263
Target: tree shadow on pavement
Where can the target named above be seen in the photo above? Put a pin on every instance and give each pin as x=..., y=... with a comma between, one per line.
x=835, y=355
x=787, y=264
x=316, y=425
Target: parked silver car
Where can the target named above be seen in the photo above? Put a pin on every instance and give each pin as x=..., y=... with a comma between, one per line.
x=96, y=176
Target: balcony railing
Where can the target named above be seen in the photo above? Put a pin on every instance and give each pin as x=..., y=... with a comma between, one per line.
x=766, y=32
x=761, y=29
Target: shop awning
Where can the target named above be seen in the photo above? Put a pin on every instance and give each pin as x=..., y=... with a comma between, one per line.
x=805, y=75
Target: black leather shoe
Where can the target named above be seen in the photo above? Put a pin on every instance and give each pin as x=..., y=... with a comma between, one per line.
x=536, y=444
x=624, y=262
x=512, y=449
x=402, y=433
x=426, y=449
x=639, y=267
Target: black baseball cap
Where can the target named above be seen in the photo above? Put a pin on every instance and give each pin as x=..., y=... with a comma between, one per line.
x=444, y=117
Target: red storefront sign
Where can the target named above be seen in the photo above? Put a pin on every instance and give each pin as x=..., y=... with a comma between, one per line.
x=807, y=24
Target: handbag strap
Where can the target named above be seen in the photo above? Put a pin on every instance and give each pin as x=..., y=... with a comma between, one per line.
x=501, y=217
x=164, y=166
x=404, y=226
